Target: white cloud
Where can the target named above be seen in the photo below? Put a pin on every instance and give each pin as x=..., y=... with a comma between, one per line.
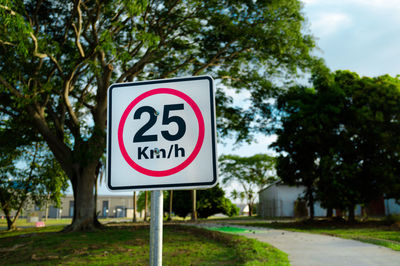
x=390, y=5
x=329, y=23
x=381, y=4
x=307, y=2
x=360, y=35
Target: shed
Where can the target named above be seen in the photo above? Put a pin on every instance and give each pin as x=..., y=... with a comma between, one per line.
x=277, y=200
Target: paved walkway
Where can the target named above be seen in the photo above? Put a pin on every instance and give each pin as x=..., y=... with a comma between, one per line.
x=313, y=249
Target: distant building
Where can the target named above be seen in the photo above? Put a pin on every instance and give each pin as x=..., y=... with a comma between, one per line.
x=278, y=200
x=108, y=206
x=243, y=208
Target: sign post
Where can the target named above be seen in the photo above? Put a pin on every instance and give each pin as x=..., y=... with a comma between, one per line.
x=161, y=135
x=156, y=228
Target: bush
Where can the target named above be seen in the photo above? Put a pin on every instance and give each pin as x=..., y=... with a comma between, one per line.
x=209, y=202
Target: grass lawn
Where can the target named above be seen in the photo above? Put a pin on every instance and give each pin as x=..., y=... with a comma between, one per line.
x=375, y=232
x=129, y=245
x=24, y=223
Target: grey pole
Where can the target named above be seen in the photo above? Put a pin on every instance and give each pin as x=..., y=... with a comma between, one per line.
x=156, y=228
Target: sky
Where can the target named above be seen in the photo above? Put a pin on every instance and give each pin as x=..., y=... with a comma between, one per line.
x=358, y=35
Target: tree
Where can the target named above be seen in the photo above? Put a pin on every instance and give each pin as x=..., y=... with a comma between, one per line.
x=28, y=171
x=68, y=54
x=181, y=204
x=209, y=202
x=338, y=138
x=250, y=172
x=33, y=176
x=213, y=201
x=367, y=152
x=299, y=138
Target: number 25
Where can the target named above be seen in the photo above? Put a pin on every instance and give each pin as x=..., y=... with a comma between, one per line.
x=166, y=120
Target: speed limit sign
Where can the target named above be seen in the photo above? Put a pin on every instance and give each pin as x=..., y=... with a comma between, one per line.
x=161, y=134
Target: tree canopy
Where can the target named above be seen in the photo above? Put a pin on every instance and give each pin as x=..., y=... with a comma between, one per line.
x=29, y=173
x=252, y=173
x=340, y=138
x=209, y=202
x=58, y=58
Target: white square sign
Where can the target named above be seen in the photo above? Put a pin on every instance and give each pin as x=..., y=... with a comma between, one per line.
x=161, y=134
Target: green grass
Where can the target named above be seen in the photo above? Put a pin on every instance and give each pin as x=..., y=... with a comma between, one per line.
x=129, y=245
x=375, y=232
x=24, y=223
x=51, y=221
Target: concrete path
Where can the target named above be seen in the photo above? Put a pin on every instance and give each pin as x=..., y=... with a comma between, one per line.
x=315, y=250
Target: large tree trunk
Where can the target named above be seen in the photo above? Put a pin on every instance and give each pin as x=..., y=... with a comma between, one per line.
x=79, y=162
x=84, y=204
x=250, y=209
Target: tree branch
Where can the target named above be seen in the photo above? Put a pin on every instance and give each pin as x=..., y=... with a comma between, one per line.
x=13, y=13
x=7, y=43
x=186, y=62
x=213, y=59
x=35, y=52
x=59, y=125
x=58, y=66
x=58, y=147
x=13, y=90
x=67, y=103
x=78, y=29
x=136, y=68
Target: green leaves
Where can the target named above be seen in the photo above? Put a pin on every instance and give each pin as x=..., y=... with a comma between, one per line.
x=252, y=173
x=58, y=59
x=340, y=138
x=15, y=30
x=135, y=8
x=208, y=202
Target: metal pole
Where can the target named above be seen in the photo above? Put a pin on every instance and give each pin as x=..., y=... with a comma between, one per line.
x=156, y=228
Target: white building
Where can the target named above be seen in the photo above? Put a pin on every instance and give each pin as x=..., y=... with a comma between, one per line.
x=277, y=200
x=108, y=206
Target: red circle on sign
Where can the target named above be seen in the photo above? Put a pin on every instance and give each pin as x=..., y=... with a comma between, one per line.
x=196, y=149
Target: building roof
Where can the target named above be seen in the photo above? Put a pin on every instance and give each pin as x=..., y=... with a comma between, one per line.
x=277, y=182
